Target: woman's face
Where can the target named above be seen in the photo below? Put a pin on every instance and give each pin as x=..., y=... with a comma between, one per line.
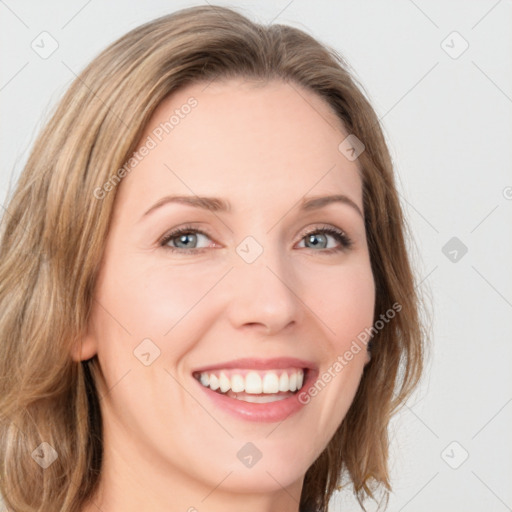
x=259, y=280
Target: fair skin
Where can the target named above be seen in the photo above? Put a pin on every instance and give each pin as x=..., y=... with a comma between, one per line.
x=263, y=148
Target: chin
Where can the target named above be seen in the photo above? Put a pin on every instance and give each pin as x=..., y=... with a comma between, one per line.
x=262, y=480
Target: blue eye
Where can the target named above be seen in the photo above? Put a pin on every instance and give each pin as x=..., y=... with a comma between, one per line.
x=319, y=238
x=184, y=240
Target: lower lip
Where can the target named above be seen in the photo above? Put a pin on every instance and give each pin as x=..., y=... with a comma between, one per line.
x=269, y=412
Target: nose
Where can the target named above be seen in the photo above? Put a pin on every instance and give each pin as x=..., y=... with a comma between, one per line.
x=263, y=295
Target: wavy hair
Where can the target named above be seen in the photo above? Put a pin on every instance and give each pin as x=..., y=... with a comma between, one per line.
x=54, y=230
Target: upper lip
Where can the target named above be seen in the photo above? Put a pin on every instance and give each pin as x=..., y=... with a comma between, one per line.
x=260, y=364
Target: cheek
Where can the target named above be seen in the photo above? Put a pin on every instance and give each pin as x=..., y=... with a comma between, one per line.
x=155, y=301
x=344, y=301
x=136, y=303
x=345, y=306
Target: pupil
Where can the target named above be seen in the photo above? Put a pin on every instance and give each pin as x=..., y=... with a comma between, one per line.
x=184, y=238
x=313, y=239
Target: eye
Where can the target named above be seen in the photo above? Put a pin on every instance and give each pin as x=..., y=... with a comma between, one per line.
x=186, y=238
x=319, y=237
x=183, y=239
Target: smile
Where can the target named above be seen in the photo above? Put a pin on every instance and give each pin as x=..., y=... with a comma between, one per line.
x=254, y=386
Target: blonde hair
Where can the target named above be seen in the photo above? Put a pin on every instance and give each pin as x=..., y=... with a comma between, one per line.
x=54, y=230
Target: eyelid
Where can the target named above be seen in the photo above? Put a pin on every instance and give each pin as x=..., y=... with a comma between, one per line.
x=188, y=228
x=338, y=233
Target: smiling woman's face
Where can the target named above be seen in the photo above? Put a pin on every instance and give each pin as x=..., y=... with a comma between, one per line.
x=262, y=280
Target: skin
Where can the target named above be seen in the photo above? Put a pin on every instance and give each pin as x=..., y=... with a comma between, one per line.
x=263, y=147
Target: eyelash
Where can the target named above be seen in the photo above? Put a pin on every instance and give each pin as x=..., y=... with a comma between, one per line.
x=345, y=242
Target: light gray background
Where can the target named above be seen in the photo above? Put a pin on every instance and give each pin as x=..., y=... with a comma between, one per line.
x=448, y=124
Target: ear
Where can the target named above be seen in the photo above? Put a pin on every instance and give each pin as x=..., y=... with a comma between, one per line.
x=84, y=348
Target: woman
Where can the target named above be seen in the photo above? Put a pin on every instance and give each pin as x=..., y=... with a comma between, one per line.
x=205, y=239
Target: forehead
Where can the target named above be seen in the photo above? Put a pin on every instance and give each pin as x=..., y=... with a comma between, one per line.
x=249, y=140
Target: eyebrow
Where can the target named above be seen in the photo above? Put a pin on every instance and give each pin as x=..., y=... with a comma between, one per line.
x=215, y=204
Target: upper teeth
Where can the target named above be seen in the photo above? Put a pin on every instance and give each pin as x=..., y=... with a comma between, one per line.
x=272, y=381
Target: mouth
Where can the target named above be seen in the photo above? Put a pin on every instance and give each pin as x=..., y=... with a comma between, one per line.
x=254, y=386
x=259, y=390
